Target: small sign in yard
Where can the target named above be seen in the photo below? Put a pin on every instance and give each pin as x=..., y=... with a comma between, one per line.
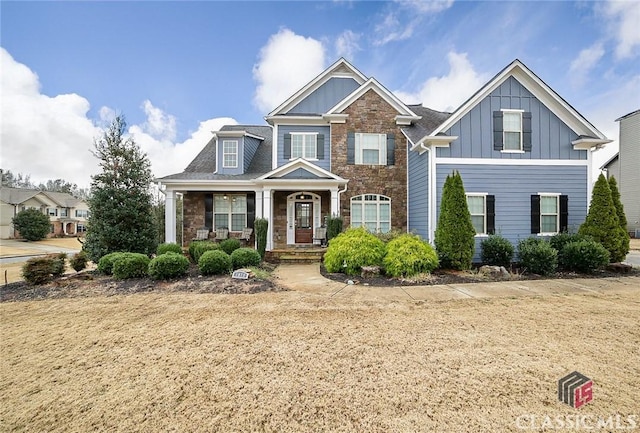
x=240, y=274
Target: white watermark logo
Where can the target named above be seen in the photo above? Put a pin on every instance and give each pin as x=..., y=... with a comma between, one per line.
x=576, y=422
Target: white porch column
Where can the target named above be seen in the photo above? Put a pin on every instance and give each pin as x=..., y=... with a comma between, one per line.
x=259, y=213
x=335, y=203
x=170, y=216
x=267, y=206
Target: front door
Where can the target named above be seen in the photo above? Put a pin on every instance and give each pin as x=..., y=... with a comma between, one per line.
x=304, y=222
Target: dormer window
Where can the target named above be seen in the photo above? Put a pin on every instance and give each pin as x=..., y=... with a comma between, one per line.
x=229, y=154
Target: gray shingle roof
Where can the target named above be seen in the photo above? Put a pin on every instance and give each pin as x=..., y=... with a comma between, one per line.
x=431, y=119
x=203, y=165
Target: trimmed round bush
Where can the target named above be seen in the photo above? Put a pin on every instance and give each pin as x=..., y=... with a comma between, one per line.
x=408, y=255
x=168, y=265
x=41, y=270
x=537, y=256
x=200, y=248
x=496, y=251
x=561, y=239
x=79, y=261
x=584, y=256
x=168, y=248
x=105, y=264
x=245, y=257
x=230, y=245
x=214, y=262
x=130, y=265
x=351, y=250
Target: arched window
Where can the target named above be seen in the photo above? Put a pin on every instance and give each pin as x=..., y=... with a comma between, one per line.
x=372, y=211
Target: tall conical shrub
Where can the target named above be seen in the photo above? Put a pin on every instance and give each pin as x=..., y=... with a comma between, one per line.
x=622, y=218
x=454, y=237
x=602, y=221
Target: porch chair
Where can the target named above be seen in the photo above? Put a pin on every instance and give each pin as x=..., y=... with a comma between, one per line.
x=201, y=235
x=221, y=235
x=245, y=236
x=320, y=237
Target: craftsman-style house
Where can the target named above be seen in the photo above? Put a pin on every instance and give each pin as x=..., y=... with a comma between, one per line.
x=345, y=145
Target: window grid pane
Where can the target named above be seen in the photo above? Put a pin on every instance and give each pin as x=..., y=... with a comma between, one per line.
x=296, y=146
x=512, y=122
x=548, y=205
x=230, y=154
x=548, y=224
x=373, y=211
x=221, y=221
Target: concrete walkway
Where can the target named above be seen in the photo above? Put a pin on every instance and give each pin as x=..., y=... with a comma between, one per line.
x=307, y=278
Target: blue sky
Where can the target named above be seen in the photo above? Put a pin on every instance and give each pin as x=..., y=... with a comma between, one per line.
x=178, y=70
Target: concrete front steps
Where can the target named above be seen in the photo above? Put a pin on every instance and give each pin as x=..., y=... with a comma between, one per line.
x=296, y=255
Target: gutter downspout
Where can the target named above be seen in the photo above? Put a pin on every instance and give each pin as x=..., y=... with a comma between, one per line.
x=340, y=193
x=431, y=222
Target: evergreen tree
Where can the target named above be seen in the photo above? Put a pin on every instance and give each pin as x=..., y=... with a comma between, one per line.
x=602, y=221
x=454, y=237
x=622, y=218
x=32, y=224
x=121, y=205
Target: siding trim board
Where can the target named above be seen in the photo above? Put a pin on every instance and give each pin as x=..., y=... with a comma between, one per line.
x=496, y=161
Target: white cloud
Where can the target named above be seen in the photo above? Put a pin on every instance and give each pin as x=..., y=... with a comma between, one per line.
x=623, y=20
x=347, y=44
x=285, y=64
x=52, y=137
x=403, y=17
x=585, y=62
x=447, y=92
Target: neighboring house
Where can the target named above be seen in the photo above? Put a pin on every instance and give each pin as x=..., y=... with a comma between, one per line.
x=345, y=145
x=625, y=167
x=68, y=215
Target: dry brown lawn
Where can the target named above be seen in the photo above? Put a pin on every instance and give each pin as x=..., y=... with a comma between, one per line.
x=289, y=362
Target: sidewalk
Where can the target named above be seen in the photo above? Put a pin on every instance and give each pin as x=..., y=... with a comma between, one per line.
x=307, y=278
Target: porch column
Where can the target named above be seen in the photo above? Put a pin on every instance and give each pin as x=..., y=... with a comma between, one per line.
x=267, y=205
x=259, y=213
x=335, y=203
x=170, y=216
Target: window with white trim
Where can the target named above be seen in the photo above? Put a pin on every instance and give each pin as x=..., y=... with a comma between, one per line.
x=304, y=145
x=81, y=228
x=549, y=213
x=477, y=204
x=52, y=211
x=230, y=211
x=64, y=212
x=370, y=149
x=229, y=154
x=512, y=130
x=82, y=213
x=372, y=211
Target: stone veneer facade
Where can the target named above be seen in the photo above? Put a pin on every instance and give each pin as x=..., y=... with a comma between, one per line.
x=371, y=114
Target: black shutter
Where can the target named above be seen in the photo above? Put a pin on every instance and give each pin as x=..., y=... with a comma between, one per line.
x=564, y=213
x=287, y=146
x=351, y=148
x=208, y=211
x=497, y=130
x=491, y=214
x=391, y=149
x=535, y=214
x=251, y=209
x=526, y=131
x=320, y=146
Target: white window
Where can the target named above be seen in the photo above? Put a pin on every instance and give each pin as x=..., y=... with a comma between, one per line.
x=372, y=211
x=81, y=228
x=549, y=213
x=304, y=145
x=230, y=211
x=64, y=212
x=477, y=204
x=370, y=149
x=82, y=213
x=229, y=154
x=52, y=211
x=512, y=130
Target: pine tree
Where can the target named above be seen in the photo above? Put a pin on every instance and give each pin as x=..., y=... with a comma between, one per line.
x=602, y=221
x=622, y=218
x=455, y=235
x=121, y=205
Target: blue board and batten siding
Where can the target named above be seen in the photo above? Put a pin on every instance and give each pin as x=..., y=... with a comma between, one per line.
x=513, y=185
x=324, y=130
x=418, y=194
x=550, y=137
x=249, y=149
x=322, y=99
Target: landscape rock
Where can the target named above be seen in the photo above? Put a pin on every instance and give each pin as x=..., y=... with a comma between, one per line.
x=494, y=271
x=370, y=271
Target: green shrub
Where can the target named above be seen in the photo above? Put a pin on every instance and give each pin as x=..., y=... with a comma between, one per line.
x=245, y=257
x=230, y=245
x=537, y=256
x=496, y=251
x=191, y=249
x=583, y=256
x=351, y=250
x=622, y=218
x=261, y=226
x=41, y=270
x=408, y=255
x=32, y=224
x=168, y=248
x=201, y=247
x=130, y=265
x=334, y=227
x=214, y=262
x=455, y=236
x=79, y=261
x=105, y=264
x=168, y=265
x=389, y=236
x=561, y=239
